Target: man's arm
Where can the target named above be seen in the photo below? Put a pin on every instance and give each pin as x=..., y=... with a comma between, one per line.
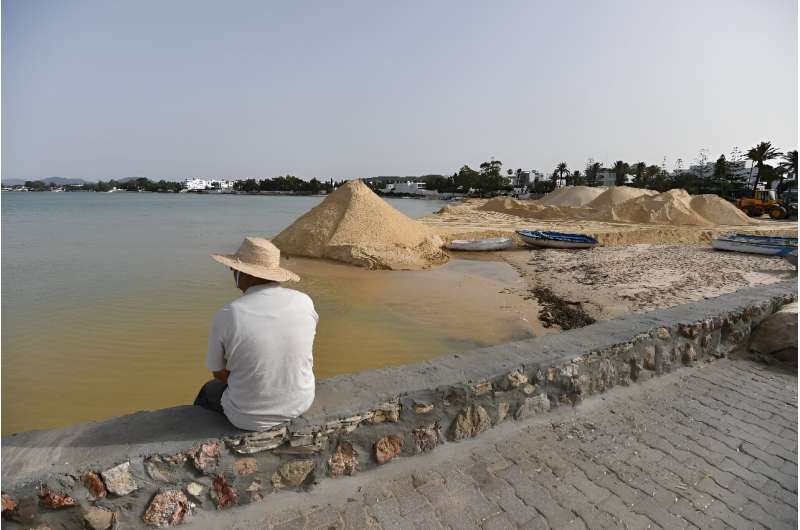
x=222, y=375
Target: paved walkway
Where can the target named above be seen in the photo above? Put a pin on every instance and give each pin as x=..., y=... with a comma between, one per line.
x=707, y=447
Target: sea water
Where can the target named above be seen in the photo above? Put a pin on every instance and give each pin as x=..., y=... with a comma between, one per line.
x=107, y=298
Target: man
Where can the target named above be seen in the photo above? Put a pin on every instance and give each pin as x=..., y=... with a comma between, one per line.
x=259, y=346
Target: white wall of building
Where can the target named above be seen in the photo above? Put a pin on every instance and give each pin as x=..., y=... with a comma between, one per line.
x=197, y=184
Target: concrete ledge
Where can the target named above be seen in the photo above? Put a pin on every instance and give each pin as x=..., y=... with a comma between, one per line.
x=160, y=466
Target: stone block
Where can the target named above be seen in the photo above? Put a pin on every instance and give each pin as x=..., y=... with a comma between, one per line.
x=426, y=438
x=258, y=442
x=343, y=461
x=516, y=378
x=206, y=457
x=531, y=406
x=98, y=518
x=119, y=479
x=9, y=504
x=387, y=448
x=222, y=493
x=470, y=422
x=55, y=500
x=293, y=473
x=93, y=483
x=195, y=490
x=776, y=332
x=168, y=508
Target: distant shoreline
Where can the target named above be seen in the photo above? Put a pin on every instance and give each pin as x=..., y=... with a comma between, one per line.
x=252, y=193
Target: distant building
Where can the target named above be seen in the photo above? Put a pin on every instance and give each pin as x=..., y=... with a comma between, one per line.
x=606, y=177
x=413, y=188
x=195, y=184
x=410, y=188
x=521, y=179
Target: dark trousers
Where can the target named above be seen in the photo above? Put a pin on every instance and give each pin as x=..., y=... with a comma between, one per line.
x=210, y=396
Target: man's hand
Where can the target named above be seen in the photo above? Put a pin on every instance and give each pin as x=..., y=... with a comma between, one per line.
x=222, y=375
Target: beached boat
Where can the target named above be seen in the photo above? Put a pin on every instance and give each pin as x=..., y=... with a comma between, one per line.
x=767, y=245
x=546, y=239
x=495, y=243
x=791, y=257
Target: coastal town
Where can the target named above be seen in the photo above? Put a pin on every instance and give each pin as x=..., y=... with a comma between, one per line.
x=761, y=167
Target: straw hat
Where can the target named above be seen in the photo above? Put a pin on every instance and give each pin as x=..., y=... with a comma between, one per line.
x=260, y=258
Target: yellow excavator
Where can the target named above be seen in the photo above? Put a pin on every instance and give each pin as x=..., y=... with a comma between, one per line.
x=763, y=201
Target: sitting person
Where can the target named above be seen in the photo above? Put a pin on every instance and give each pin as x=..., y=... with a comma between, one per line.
x=260, y=345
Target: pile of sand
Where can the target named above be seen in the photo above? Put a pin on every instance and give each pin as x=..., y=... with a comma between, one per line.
x=571, y=196
x=617, y=195
x=356, y=226
x=622, y=204
x=718, y=210
x=669, y=208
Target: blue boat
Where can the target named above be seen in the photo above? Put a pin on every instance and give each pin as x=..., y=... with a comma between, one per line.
x=767, y=245
x=537, y=238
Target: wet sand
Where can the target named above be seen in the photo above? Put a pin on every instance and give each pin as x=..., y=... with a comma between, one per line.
x=610, y=281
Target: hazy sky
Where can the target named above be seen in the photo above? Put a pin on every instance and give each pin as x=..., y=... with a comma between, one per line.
x=360, y=88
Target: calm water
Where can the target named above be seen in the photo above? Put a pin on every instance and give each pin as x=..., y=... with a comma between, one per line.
x=106, y=300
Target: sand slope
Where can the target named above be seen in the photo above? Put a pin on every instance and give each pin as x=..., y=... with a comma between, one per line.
x=356, y=226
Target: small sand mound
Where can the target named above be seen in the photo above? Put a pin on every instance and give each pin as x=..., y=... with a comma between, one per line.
x=574, y=196
x=617, y=195
x=719, y=211
x=506, y=205
x=530, y=210
x=356, y=226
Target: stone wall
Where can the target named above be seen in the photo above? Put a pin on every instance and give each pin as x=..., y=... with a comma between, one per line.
x=358, y=421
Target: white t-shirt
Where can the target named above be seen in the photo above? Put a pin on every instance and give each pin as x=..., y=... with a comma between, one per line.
x=265, y=340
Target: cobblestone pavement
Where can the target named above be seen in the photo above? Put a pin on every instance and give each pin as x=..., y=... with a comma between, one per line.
x=708, y=447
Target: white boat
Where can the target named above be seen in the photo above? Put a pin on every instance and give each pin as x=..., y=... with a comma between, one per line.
x=495, y=243
x=536, y=238
x=766, y=245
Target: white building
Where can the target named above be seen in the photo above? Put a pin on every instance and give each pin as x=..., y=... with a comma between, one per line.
x=738, y=170
x=195, y=184
x=411, y=188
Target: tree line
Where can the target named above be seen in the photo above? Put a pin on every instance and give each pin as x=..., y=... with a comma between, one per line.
x=727, y=179
x=289, y=184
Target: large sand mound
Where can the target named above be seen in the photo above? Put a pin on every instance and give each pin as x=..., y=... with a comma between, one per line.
x=571, y=196
x=356, y=226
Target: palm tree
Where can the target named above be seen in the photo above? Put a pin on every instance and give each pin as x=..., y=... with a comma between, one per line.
x=620, y=170
x=561, y=169
x=591, y=173
x=789, y=164
x=638, y=170
x=758, y=155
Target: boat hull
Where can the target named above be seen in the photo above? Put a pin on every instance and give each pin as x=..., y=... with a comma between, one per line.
x=556, y=239
x=754, y=245
x=549, y=243
x=480, y=245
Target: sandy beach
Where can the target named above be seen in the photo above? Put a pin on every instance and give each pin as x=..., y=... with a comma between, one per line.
x=610, y=281
x=468, y=221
